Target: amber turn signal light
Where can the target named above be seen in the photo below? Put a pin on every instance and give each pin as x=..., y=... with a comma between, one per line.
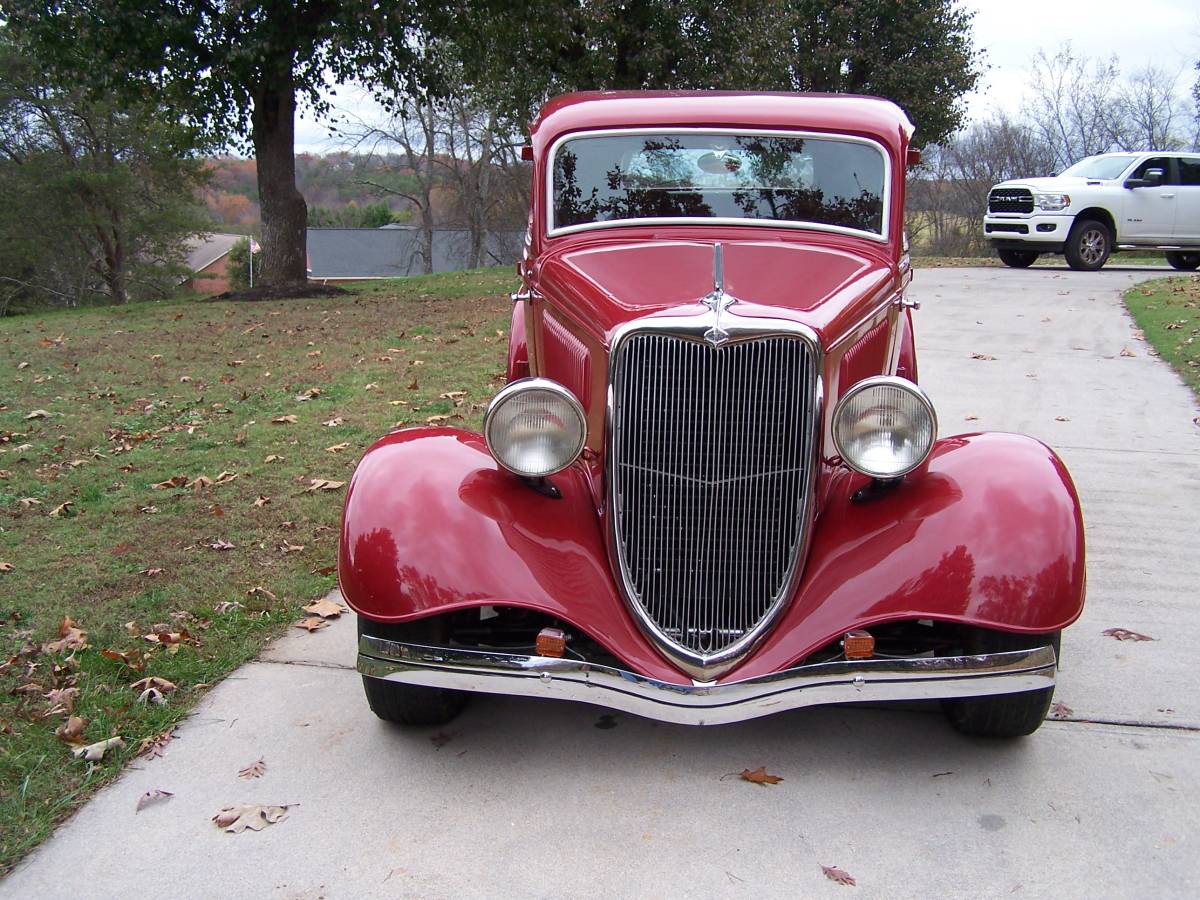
x=858, y=644
x=551, y=642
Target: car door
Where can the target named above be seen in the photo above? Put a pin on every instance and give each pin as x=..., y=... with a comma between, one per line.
x=1187, y=201
x=1148, y=213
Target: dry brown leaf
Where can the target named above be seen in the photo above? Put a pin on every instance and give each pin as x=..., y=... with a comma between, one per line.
x=28, y=502
x=200, y=482
x=325, y=570
x=225, y=606
x=173, y=482
x=62, y=700
x=334, y=422
x=833, y=873
x=37, y=414
x=312, y=623
x=150, y=573
x=131, y=658
x=337, y=448
x=760, y=776
x=222, y=545
x=1124, y=634
x=70, y=637
x=95, y=752
x=322, y=484
x=1060, y=710
x=308, y=394
x=970, y=417
x=1062, y=418
x=154, y=746
x=325, y=608
x=983, y=356
x=153, y=681
x=236, y=819
x=71, y=731
x=62, y=511
x=273, y=457
x=285, y=420
x=261, y=500
x=261, y=592
x=254, y=770
x=151, y=695
x=155, y=796
x=225, y=477
x=6, y=567
x=1125, y=351
x=286, y=548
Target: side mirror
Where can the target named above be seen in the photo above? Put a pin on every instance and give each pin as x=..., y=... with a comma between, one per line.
x=1150, y=178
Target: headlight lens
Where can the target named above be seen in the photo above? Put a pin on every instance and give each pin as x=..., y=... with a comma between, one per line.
x=1053, y=201
x=884, y=427
x=534, y=427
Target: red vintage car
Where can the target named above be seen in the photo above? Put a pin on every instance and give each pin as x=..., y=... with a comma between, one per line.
x=712, y=489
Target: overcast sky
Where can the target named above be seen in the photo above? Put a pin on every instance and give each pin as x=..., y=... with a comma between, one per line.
x=1163, y=33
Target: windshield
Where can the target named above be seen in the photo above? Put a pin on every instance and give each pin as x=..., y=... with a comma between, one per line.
x=823, y=181
x=1100, y=167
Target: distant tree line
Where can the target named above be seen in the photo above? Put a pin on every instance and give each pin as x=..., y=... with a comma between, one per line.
x=1075, y=107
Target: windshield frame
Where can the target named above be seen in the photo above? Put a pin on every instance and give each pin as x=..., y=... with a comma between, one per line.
x=880, y=236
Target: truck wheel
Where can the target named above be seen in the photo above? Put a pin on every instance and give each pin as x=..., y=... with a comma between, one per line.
x=1002, y=715
x=1185, y=262
x=1018, y=259
x=1088, y=245
x=410, y=704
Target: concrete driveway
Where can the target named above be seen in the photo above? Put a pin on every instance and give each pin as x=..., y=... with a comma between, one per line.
x=539, y=799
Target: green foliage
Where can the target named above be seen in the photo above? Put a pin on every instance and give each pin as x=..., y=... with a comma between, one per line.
x=239, y=265
x=372, y=215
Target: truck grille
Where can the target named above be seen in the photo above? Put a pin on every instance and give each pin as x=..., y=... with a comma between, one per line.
x=1010, y=200
x=712, y=449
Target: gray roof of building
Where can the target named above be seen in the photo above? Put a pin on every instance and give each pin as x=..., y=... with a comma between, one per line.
x=206, y=249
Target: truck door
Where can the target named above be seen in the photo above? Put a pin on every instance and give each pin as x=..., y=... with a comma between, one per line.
x=1187, y=201
x=1148, y=213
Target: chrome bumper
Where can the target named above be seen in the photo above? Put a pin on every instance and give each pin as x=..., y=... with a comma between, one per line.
x=701, y=703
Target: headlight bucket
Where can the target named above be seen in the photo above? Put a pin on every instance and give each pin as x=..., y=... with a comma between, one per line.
x=1052, y=201
x=535, y=427
x=884, y=427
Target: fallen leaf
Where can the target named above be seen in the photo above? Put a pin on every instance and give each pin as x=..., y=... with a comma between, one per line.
x=254, y=770
x=322, y=484
x=62, y=700
x=325, y=570
x=308, y=394
x=833, y=873
x=22, y=365
x=222, y=545
x=95, y=752
x=325, y=608
x=273, y=457
x=155, y=796
x=433, y=420
x=28, y=502
x=983, y=356
x=150, y=573
x=70, y=637
x=285, y=420
x=153, y=746
x=337, y=448
x=6, y=567
x=225, y=477
x=760, y=776
x=173, y=482
x=334, y=422
x=37, y=414
x=62, y=511
x=153, y=681
x=236, y=819
x=131, y=658
x=1124, y=634
x=152, y=695
x=200, y=482
x=261, y=592
x=312, y=623
x=170, y=639
x=71, y=731
x=1060, y=710
x=970, y=417
x=261, y=500
x=1062, y=418
x=217, y=510
x=225, y=606
x=286, y=548
x=1125, y=351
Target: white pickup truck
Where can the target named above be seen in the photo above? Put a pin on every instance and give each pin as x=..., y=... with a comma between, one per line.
x=1099, y=206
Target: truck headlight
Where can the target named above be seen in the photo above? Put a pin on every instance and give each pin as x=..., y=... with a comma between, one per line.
x=534, y=427
x=884, y=427
x=1053, y=201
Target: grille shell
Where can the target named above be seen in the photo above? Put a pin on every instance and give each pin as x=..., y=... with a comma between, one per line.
x=711, y=466
x=1010, y=200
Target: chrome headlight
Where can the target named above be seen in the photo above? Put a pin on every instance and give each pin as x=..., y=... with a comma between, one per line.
x=534, y=427
x=884, y=427
x=1053, y=201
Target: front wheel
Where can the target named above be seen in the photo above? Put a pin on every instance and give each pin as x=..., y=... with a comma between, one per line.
x=411, y=704
x=1088, y=245
x=1185, y=262
x=1002, y=715
x=1018, y=259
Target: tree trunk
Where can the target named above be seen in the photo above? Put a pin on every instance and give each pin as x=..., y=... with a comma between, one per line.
x=284, y=212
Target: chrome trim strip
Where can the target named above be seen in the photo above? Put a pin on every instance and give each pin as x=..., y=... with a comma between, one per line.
x=736, y=329
x=881, y=236
x=872, y=680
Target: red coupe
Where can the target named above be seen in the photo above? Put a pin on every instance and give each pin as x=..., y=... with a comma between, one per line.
x=712, y=488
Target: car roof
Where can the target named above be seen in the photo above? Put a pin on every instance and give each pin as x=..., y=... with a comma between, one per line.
x=871, y=117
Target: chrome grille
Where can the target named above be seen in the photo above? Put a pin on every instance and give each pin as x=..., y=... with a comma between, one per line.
x=1010, y=200
x=712, y=450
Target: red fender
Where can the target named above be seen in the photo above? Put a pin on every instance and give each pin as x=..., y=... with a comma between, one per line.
x=518, y=348
x=988, y=533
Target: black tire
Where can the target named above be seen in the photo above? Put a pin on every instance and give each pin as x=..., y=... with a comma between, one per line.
x=1002, y=715
x=411, y=704
x=1088, y=245
x=1018, y=259
x=1185, y=262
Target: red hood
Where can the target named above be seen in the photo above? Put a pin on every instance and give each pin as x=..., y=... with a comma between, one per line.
x=607, y=282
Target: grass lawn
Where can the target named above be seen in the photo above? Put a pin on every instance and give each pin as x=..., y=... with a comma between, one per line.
x=244, y=404
x=1168, y=313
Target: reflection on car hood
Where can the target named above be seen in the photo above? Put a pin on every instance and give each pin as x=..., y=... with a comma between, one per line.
x=608, y=283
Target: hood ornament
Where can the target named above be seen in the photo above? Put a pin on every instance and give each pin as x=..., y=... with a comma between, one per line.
x=718, y=301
